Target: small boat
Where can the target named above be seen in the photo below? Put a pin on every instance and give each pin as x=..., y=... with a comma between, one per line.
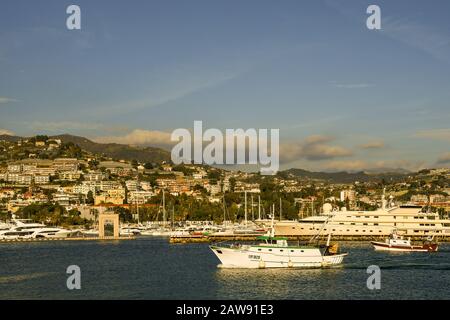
x=398, y=243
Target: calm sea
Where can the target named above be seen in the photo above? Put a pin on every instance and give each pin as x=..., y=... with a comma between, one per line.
x=151, y=268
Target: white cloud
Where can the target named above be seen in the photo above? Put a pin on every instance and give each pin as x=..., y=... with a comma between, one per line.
x=363, y=165
x=312, y=148
x=6, y=132
x=444, y=158
x=6, y=100
x=139, y=137
x=376, y=144
x=435, y=134
x=352, y=85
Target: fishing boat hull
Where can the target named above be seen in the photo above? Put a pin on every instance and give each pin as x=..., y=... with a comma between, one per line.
x=382, y=246
x=261, y=257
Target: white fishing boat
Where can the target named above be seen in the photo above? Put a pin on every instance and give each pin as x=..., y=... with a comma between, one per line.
x=275, y=252
x=398, y=243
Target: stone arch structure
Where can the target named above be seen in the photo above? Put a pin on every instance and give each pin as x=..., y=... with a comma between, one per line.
x=102, y=218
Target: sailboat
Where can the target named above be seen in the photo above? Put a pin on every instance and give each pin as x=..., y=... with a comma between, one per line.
x=275, y=252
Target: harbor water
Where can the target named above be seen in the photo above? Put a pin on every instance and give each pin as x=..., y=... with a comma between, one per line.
x=151, y=268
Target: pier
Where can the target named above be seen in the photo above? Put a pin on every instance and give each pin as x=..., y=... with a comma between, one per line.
x=67, y=239
x=220, y=238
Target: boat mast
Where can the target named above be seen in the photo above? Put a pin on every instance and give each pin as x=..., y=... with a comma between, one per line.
x=136, y=197
x=253, y=216
x=245, y=207
x=224, y=208
x=281, y=209
x=173, y=215
x=259, y=207
x=164, y=208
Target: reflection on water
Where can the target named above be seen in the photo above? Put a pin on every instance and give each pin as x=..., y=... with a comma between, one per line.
x=273, y=283
x=22, y=277
x=151, y=268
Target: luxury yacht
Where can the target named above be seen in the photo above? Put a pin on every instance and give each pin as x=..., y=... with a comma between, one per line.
x=25, y=228
x=410, y=220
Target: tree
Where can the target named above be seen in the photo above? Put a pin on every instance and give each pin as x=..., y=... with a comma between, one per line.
x=90, y=198
x=148, y=166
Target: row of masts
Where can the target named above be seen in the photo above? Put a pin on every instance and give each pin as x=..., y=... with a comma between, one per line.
x=272, y=213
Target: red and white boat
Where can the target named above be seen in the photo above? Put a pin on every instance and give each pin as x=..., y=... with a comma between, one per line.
x=397, y=243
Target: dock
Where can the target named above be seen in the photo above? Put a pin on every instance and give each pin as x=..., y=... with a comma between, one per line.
x=243, y=238
x=67, y=239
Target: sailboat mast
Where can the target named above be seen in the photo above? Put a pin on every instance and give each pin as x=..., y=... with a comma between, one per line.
x=253, y=217
x=281, y=209
x=164, y=208
x=245, y=208
x=259, y=207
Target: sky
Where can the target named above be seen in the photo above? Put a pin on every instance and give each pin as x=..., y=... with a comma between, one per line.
x=344, y=97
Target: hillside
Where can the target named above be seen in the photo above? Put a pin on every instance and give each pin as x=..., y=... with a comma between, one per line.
x=112, y=150
x=342, y=176
x=118, y=151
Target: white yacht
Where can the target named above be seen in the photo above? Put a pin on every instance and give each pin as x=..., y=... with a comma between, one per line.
x=410, y=220
x=25, y=228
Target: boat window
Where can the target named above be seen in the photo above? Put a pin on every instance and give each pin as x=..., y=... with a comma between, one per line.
x=281, y=250
x=292, y=250
x=259, y=249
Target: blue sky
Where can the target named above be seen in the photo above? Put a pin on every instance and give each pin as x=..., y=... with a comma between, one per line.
x=344, y=97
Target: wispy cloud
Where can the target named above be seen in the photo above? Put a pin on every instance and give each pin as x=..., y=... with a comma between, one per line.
x=6, y=100
x=364, y=165
x=412, y=33
x=174, y=91
x=435, y=134
x=352, y=85
x=444, y=158
x=376, y=144
x=64, y=125
x=312, y=148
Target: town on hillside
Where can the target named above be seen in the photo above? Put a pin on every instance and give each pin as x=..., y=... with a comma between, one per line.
x=59, y=183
